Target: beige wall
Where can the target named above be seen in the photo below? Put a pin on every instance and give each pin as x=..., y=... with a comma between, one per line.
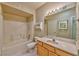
x=30, y=28
x=77, y=12
x=1, y=29
x=43, y=11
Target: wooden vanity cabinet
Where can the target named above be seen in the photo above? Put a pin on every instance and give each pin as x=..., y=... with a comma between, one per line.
x=44, y=49
x=41, y=51
x=62, y=53
x=52, y=54
x=40, y=43
x=48, y=47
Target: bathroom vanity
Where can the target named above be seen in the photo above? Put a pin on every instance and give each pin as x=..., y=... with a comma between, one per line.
x=46, y=47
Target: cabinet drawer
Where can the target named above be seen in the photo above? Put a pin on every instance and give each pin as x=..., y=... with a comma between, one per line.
x=62, y=53
x=39, y=42
x=52, y=54
x=50, y=48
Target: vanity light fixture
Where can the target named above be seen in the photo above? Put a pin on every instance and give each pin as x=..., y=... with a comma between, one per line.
x=50, y=13
x=53, y=11
x=56, y=10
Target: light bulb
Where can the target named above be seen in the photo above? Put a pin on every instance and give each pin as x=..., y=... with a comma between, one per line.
x=58, y=8
x=53, y=9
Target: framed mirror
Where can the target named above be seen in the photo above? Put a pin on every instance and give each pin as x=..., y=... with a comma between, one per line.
x=62, y=23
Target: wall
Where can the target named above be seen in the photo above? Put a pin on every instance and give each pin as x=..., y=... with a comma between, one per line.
x=77, y=12
x=1, y=29
x=43, y=11
x=15, y=34
x=53, y=23
x=29, y=28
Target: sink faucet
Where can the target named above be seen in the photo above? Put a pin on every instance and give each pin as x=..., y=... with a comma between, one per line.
x=53, y=40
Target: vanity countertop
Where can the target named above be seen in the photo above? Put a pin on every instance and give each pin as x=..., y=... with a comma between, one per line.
x=66, y=46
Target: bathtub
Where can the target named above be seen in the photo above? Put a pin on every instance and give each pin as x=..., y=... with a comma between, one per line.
x=15, y=48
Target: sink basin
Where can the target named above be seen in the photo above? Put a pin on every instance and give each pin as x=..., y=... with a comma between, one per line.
x=58, y=43
x=50, y=41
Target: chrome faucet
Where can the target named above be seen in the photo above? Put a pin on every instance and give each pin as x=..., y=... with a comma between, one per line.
x=53, y=40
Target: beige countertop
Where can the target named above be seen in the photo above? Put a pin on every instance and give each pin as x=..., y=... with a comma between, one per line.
x=66, y=46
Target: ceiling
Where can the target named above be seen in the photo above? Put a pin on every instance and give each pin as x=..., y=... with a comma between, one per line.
x=32, y=5
x=14, y=11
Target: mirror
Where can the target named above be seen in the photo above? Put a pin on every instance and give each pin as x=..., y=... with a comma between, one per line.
x=61, y=23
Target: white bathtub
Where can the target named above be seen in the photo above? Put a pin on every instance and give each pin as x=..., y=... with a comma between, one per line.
x=15, y=48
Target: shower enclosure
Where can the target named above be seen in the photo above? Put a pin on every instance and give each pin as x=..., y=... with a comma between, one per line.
x=17, y=26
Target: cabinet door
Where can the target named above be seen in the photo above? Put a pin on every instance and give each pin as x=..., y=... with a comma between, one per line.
x=62, y=53
x=41, y=51
x=48, y=47
x=52, y=54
